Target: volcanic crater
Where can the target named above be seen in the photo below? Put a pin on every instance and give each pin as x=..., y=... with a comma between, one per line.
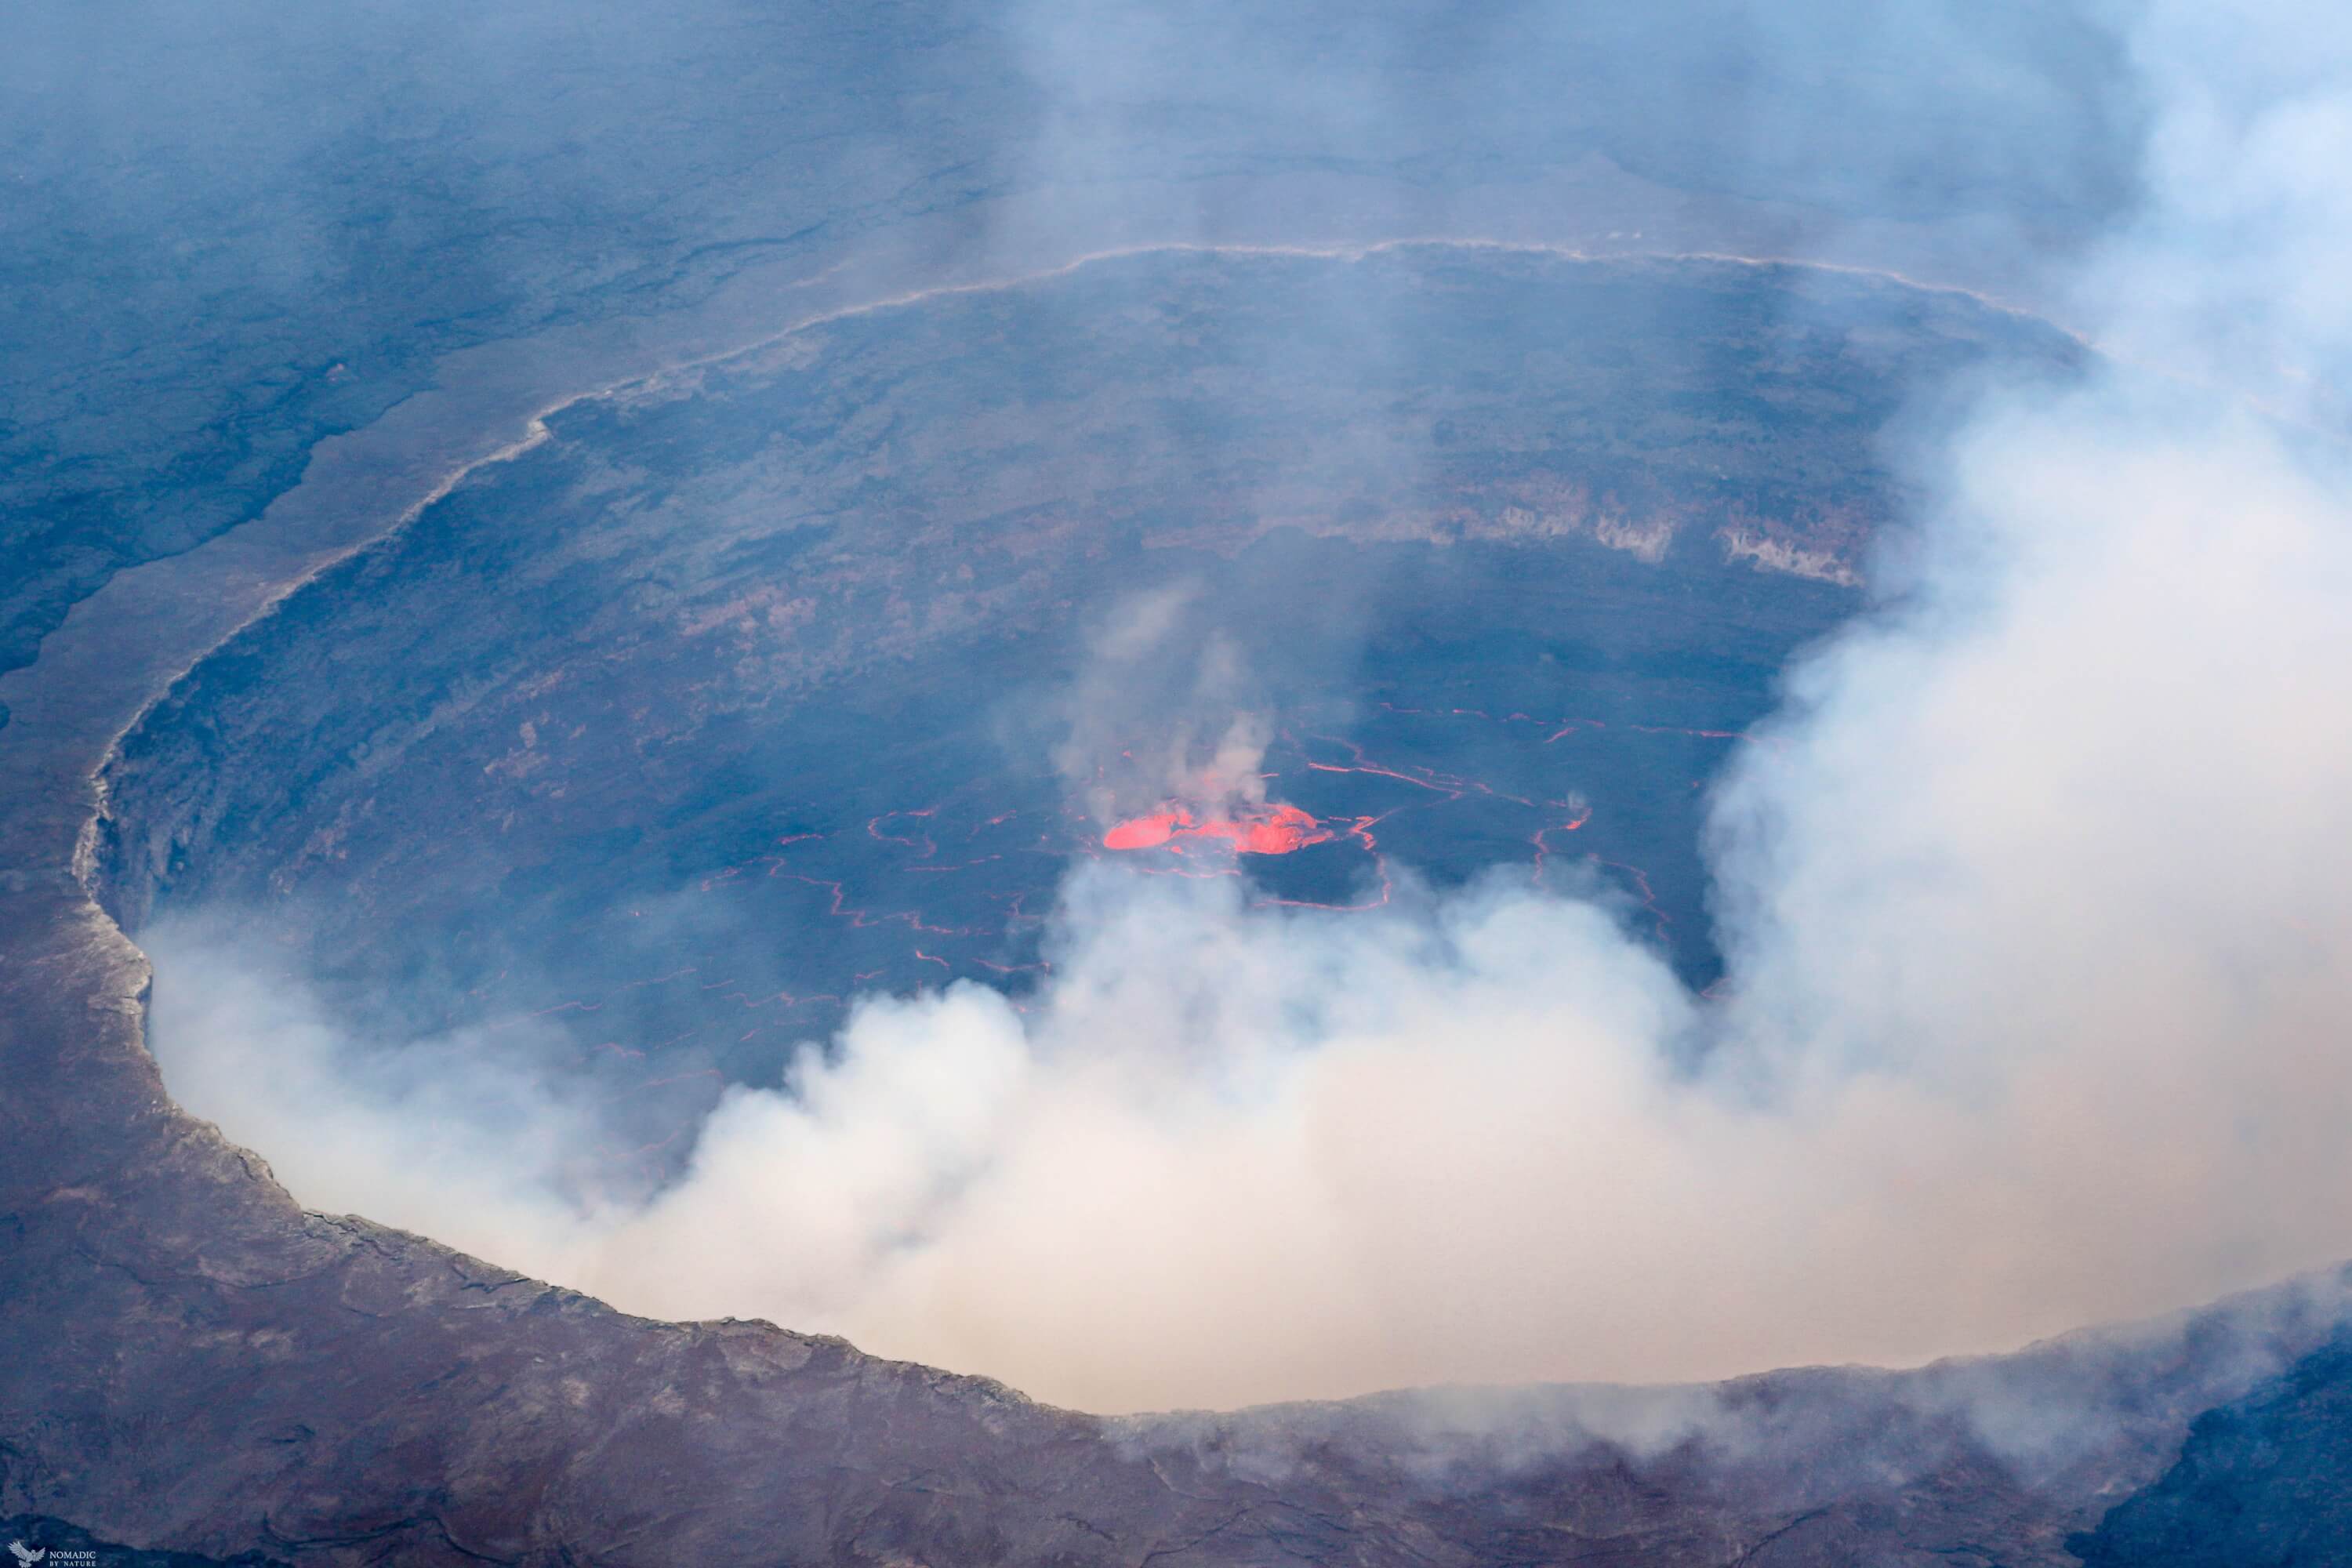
x=757, y=687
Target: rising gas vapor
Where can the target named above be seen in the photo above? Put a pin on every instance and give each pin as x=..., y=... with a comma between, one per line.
x=2038, y=909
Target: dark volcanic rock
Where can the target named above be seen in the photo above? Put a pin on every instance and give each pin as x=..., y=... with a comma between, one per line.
x=2263, y=1482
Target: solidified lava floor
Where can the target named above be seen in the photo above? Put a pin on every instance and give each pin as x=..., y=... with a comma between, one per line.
x=730, y=702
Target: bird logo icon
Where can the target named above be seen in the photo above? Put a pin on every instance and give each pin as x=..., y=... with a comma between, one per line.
x=27, y=1555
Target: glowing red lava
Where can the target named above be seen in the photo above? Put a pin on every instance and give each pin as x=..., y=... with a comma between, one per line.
x=1147, y=832
x=1277, y=830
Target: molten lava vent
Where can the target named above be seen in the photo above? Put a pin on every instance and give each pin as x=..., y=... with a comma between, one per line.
x=1258, y=830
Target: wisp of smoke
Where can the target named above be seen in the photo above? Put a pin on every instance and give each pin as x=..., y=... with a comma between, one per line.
x=2038, y=906
x=1162, y=710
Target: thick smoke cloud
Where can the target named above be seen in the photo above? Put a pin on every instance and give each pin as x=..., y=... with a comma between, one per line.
x=2036, y=896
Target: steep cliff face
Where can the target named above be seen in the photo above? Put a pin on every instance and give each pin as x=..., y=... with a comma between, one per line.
x=198, y=1365
x=2264, y=1481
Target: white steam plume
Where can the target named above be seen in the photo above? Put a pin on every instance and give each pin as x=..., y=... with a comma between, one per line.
x=2039, y=911
x=1151, y=658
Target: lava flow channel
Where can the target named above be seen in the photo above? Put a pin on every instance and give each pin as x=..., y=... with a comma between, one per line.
x=1277, y=831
